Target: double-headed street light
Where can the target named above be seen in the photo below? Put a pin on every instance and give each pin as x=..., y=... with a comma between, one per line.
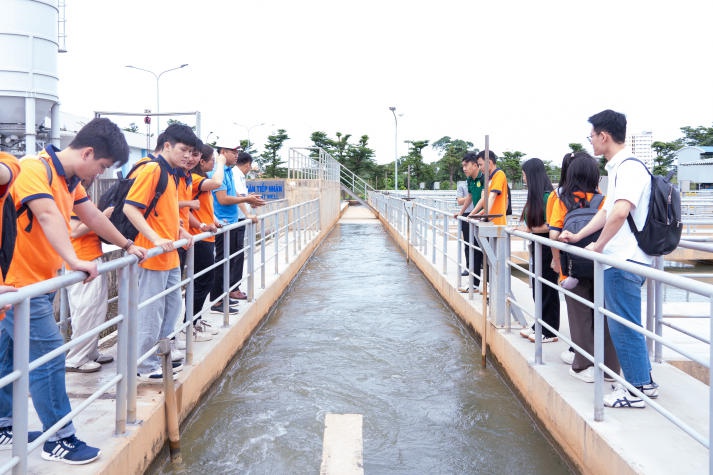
x=396, y=149
x=249, y=129
x=157, y=76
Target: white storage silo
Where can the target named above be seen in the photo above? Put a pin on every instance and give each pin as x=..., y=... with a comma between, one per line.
x=28, y=72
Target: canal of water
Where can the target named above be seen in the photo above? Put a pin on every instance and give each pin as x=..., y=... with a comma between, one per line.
x=361, y=331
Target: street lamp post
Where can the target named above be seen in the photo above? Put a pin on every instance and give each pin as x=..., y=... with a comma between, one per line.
x=157, y=76
x=249, y=129
x=396, y=149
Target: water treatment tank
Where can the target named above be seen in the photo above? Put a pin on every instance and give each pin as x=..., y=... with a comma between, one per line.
x=28, y=67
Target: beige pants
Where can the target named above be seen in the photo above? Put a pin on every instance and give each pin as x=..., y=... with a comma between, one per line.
x=87, y=307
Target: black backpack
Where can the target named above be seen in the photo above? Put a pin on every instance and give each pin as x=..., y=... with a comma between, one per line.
x=116, y=196
x=574, y=221
x=9, y=225
x=508, y=212
x=662, y=230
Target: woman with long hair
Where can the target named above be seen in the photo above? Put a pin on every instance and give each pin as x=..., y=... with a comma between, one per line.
x=581, y=184
x=534, y=215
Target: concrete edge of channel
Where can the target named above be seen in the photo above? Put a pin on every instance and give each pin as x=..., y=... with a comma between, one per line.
x=586, y=445
x=135, y=451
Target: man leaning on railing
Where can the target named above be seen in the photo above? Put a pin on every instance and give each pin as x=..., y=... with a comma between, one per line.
x=49, y=185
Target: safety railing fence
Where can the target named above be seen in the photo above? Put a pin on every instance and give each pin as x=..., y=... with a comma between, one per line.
x=291, y=229
x=428, y=231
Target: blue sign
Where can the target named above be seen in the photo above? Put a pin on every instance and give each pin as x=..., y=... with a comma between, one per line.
x=269, y=189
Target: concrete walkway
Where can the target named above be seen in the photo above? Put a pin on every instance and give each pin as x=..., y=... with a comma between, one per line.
x=628, y=440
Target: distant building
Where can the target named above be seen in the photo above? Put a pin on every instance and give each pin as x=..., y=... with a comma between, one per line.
x=641, y=147
x=695, y=168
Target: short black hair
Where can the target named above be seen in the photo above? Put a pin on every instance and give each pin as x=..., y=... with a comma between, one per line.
x=491, y=155
x=106, y=138
x=243, y=158
x=177, y=133
x=471, y=157
x=611, y=122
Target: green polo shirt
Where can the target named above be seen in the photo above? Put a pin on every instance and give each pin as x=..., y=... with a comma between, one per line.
x=475, y=187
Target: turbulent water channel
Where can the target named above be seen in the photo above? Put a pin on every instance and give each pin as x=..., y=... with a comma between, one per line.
x=362, y=332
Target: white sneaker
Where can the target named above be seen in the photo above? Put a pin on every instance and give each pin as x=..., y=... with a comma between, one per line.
x=180, y=343
x=621, y=397
x=526, y=332
x=205, y=327
x=176, y=355
x=201, y=336
x=567, y=357
x=586, y=375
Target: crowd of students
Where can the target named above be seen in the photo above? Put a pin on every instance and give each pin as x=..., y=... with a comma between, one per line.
x=544, y=214
x=58, y=225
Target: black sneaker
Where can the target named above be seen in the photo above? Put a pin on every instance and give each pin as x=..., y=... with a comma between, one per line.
x=6, y=437
x=69, y=450
x=218, y=308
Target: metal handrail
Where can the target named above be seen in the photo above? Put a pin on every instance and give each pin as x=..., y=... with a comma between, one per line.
x=429, y=232
x=298, y=225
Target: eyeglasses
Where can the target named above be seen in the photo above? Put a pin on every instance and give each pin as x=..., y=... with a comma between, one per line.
x=589, y=137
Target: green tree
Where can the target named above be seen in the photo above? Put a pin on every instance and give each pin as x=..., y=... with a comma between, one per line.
x=418, y=171
x=321, y=140
x=132, y=128
x=269, y=160
x=665, y=155
x=702, y=136
x=511, y=164
x=360, y=158
x=341, y=147
x=576, y=147
x=450, y=164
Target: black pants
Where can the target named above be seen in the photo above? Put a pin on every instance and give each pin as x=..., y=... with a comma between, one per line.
x=203, y=257
x=550, y=296
x=237, y=238
x=477, y=264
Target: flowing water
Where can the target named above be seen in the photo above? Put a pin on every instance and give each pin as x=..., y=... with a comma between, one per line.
x=361, y=331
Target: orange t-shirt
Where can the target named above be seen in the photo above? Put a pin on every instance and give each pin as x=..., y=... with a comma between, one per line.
x=498, y=184
x=34, y=259
x=204, y=214
x=13, y=165
x=164, y=218
x=88, y=246
x=559, y=210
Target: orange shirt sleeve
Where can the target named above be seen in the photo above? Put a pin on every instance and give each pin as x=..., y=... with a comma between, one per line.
x=498, y=185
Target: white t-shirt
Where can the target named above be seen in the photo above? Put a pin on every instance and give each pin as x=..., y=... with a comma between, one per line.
x=462, y=192
x=241, y=188
x=631, y=182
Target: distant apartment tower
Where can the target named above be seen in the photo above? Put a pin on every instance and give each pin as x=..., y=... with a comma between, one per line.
x=641, y=147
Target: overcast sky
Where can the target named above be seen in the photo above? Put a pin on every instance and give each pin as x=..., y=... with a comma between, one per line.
x=527, y=73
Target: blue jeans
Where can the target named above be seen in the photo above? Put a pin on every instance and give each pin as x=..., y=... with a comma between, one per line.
x=158, y=319
x=47, y=387
x=622, y=295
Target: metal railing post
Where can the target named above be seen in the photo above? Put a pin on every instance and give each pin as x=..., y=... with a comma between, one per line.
x=538, y=303
x=598, y=341
x=503, y=276
x=122, y=349
x=445, y=242
x=251, y=261
x=21, y=387
x=226, y=277
x=658, y=312
x=132, y=354
x=262, y=253
x=190, y=296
